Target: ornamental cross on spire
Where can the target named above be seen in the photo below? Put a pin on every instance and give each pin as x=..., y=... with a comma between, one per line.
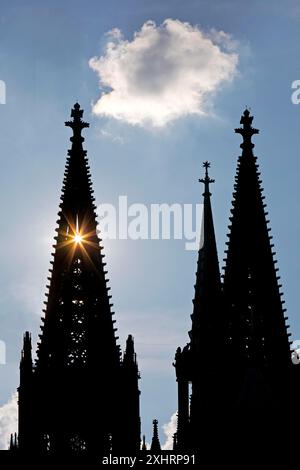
x=247, y=131
x=77, y=124
x=206, y=180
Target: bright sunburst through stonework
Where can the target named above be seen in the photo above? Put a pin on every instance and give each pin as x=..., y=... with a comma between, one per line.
x=78, y=238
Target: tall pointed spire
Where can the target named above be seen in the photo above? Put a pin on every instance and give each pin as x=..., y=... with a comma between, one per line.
x=206, y=324
x=196, y=361
x=256, y=331
x=208, y=285
x=78, y=306
x=78, y=356
x=155, y=444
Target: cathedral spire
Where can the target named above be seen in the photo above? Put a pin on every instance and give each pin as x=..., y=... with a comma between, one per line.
x=236, y=371
x=193, y=361
x=208, y=286
x=155, y=444
x=257, y=334
x=78, y=264
x=77, y=355
x=144, y=446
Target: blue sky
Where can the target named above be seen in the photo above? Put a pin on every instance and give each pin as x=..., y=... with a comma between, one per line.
x=45, y=48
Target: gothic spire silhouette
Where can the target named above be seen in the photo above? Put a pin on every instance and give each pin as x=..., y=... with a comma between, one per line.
x=26, y=426
x=131, y=395
x=155, y=444
x=144, y=446
x=77, y=266
x=238, y=360
x=208, y=283
x=197, y=359
x=75, y=403
x=256, y=324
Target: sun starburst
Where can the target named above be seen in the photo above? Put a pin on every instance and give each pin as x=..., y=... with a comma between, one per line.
x=78, y=238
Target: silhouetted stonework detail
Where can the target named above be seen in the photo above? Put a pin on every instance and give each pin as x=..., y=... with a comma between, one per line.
x=81, y=395
x=238, y=360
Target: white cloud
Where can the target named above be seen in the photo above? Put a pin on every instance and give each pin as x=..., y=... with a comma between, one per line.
x=166, y=72
x=169, y=429
x=8, y=421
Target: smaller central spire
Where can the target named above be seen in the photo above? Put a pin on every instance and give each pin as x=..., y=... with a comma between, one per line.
x=77, y=124
x=144, y=446
x=206, y=180
x=247, y=131
x=155, y=445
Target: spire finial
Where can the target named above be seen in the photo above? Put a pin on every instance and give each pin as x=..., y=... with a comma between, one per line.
x=129, y=355
x=26, y=351
x=247, y=131
x=77, y=124
x=206, y=180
